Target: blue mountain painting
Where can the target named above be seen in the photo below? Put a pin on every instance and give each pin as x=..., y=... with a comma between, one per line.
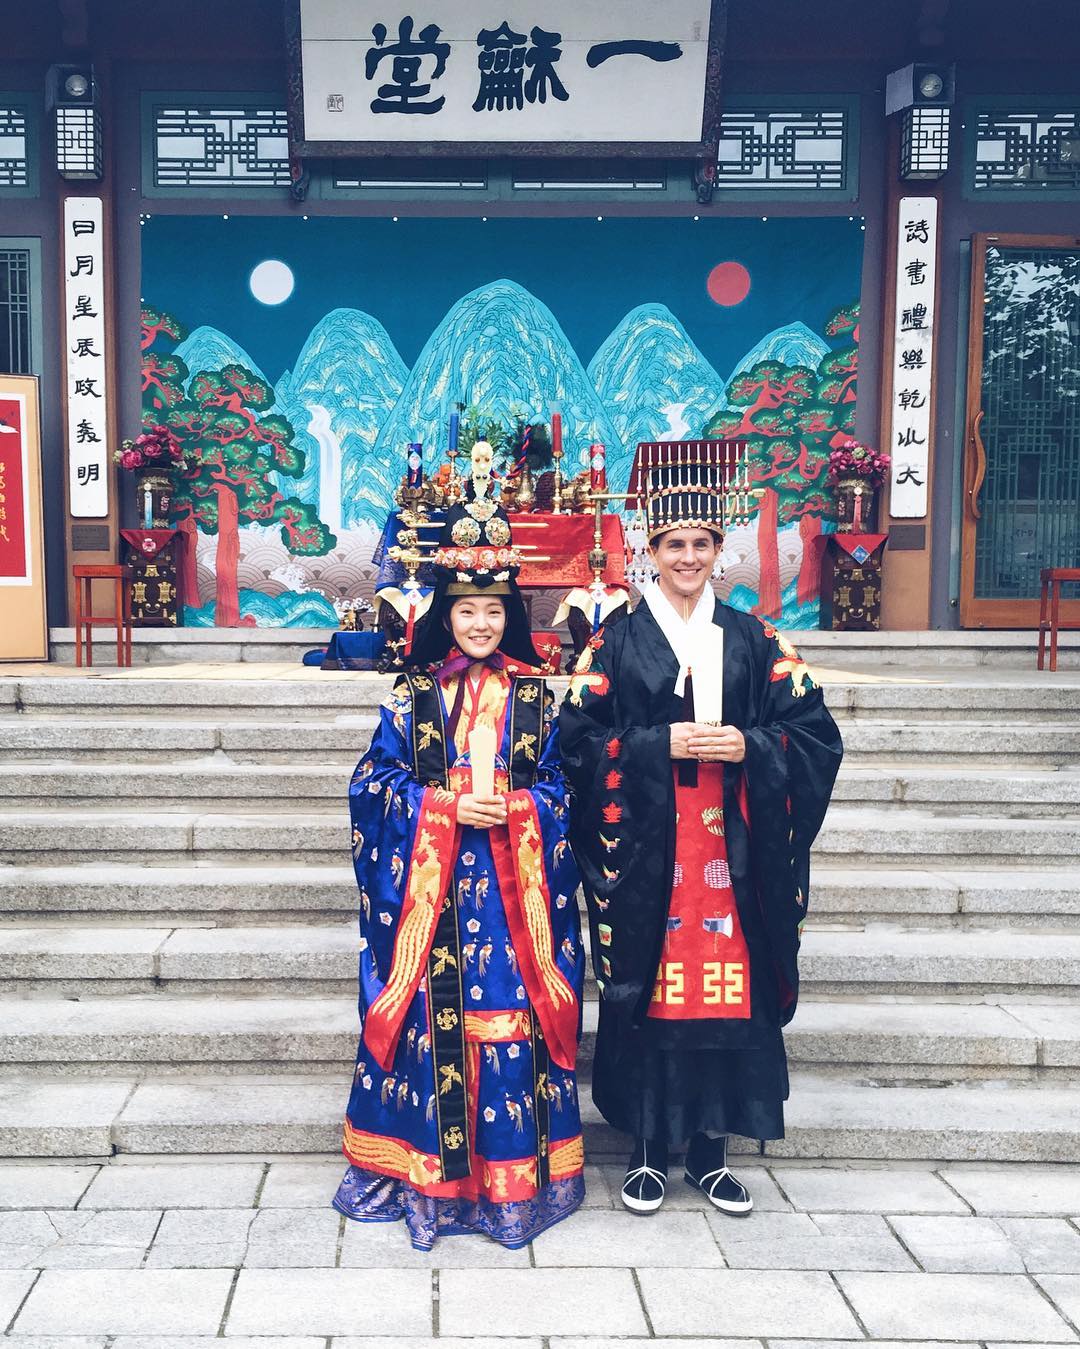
x=498, y=347
x=654, y=383
x=345, y=382
x=208, y=348
x=791, y=344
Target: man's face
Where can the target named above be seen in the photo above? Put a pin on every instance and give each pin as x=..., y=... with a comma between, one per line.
x=685, y=559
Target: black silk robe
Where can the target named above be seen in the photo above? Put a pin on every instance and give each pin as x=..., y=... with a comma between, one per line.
x=655, y=1077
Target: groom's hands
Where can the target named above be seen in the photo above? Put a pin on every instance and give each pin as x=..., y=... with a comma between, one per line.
x=717, y=744
x=708, y=744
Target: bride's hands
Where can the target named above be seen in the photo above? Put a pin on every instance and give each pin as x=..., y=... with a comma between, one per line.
x=481, y=811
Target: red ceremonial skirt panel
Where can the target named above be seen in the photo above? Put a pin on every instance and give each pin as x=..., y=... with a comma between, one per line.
x=705, y=967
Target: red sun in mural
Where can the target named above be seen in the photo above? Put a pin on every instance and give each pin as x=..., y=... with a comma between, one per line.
x=728, y=283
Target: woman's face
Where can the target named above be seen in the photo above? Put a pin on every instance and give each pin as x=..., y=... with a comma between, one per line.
x=477, y=625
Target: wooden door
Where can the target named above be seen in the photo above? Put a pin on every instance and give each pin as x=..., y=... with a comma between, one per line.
x=1022, y=447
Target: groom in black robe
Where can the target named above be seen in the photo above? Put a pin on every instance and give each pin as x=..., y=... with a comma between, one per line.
x=693, y=841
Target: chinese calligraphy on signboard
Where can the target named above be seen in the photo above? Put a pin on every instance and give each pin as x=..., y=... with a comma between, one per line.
x=565, y=71
x=913, y=356
x=84, y=309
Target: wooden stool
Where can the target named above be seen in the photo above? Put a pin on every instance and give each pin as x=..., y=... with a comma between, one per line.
x=1049, y=606
x=85, y=576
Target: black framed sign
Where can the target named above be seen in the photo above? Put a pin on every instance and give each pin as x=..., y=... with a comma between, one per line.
x=504, y=77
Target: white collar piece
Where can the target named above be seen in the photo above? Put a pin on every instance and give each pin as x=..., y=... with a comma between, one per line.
x=682, y=634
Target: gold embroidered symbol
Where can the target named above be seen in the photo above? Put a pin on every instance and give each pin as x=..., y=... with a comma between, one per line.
x=450, y=1075
x=443, y=959
x=528, y=693
x=428, y=733
x=527, y=744
x=712, y=817
x=422, y=682
x=583, y=683
x=447, y=1019
x=453, y=1138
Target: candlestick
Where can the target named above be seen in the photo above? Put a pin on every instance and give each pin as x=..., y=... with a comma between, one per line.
x=556, y=502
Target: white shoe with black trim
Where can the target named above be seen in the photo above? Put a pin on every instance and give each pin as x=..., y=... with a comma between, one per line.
x=645, y=1185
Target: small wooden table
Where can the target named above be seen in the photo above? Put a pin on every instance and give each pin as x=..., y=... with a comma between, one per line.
x=1049, y=610
x=85, y=620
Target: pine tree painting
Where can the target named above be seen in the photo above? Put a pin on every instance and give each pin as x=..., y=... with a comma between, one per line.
x=237, y=450
x=790, y=417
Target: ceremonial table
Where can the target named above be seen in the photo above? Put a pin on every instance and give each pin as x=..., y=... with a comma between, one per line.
x=851, y=581
x=153, y=556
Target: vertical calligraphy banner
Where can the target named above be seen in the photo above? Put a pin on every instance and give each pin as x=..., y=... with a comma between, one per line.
x=913, y=356
x=23, y=632
x=84, y=300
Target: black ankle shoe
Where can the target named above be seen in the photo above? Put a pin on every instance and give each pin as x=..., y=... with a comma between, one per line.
x=707, y=1171
x=646, y=1177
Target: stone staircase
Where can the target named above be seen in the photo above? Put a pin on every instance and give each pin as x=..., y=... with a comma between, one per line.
x=177, y=931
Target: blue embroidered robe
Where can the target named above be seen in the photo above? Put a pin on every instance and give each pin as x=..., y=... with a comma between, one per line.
x=521, y=965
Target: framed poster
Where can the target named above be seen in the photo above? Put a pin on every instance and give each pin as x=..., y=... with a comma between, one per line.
x=24, y=633
x=579, y=77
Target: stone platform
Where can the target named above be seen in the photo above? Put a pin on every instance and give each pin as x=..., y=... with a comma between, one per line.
x=177, y=1022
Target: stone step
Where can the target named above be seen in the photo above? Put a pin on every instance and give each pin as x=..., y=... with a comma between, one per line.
x=215, y=893
x=824, y=1120
x=851, y=837
x=80, y=960
x=337, y=742
x=990, y=695
x=877, y=1042
x=216, y=784
x=109, y=739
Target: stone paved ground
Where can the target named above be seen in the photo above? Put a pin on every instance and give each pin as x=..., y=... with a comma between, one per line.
x=169, y=1254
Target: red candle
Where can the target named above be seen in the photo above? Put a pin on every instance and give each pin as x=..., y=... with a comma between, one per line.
x=597, y=468
x=556, y=433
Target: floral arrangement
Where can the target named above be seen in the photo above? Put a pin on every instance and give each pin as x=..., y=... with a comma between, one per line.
x=852, y=459
x=158, y=447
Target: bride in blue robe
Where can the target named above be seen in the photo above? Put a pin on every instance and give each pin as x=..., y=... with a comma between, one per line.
x=463, y=1114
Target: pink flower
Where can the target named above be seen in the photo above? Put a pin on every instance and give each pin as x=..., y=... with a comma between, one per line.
x=131, y=459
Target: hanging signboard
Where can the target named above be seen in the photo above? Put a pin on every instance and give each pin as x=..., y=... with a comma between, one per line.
x=913, y=356
x=615, y=77
x=84, y=318
x=23, y=631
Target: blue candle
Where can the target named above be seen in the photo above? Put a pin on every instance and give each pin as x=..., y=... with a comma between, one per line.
x=416, y=465
x=455, y=422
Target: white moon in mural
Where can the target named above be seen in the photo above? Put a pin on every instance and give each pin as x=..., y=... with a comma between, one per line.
x=271, y=282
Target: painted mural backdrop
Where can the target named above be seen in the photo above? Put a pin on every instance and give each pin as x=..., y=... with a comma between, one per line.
x=299, y=357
